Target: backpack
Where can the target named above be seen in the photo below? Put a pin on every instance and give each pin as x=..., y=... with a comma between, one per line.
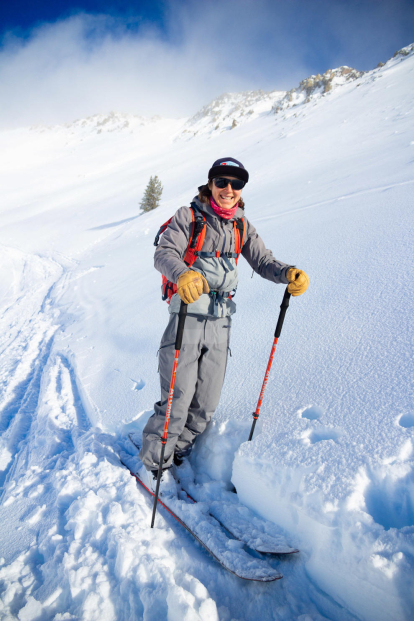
x=195, y=244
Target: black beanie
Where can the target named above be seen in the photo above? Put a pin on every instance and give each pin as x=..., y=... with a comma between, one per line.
x=228, y=166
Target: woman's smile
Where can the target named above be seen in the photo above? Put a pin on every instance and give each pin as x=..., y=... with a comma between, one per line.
x=225, y=197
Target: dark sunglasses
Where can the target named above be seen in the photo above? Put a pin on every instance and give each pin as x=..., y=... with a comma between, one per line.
x=222, y=182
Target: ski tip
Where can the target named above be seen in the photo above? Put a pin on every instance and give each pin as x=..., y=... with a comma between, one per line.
x=279, y=577
x=276, y=577
x=267, y=577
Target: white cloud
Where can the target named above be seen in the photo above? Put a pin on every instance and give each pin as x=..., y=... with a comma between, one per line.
x=87, y=64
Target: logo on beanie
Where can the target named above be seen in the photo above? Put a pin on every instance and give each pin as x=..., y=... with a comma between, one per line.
x=229, y=164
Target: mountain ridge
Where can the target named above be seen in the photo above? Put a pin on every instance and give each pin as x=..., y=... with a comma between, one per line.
x=230, y=110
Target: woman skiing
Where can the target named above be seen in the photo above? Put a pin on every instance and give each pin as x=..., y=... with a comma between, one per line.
x=205, y=275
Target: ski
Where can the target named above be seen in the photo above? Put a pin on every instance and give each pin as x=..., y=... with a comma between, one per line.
x=209, y=534
x=256, y=533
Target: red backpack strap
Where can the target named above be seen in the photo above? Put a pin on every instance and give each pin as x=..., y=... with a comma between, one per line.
x=239, y=231
x=168, y=289
x=195, y=243
x=197, y=236
x=161, y=231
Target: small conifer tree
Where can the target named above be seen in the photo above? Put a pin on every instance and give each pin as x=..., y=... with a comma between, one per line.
x=152, y=194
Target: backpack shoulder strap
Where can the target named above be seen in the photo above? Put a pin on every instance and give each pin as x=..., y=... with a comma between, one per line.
x=161, y=231
x=239, y=232
x=197, y=235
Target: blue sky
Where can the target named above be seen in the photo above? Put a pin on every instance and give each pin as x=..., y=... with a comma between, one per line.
x=24, y=14
x=172, y=57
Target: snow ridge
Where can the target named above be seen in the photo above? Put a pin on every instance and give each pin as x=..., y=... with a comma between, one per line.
x=102, y=123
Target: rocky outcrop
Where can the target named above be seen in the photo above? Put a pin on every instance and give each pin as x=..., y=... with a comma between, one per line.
x=316, y=86
x=229, y=111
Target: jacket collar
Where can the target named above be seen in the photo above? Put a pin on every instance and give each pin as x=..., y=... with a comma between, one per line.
x=207, y=209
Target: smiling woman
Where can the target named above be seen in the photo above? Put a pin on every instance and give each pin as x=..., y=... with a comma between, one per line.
x=198, y=254
x=224, y=191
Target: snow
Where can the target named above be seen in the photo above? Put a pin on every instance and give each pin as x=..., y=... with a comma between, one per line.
x=331, y=462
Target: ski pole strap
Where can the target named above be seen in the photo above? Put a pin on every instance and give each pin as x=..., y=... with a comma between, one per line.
x=180, y=330
x=283, y=308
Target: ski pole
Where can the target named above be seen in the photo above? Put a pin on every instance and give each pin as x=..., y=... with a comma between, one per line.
x=282, y=313
x=178, y=342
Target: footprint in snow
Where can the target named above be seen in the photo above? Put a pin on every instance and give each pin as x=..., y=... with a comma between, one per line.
x=406, y=421
x=320, y=434
x=138, y=385
x=324, y=433
x=311, y=412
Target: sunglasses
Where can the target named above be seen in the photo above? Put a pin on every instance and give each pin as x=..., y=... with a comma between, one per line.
x=222, y=182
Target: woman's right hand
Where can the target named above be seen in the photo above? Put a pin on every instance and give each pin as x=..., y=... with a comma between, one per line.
x=191, y=285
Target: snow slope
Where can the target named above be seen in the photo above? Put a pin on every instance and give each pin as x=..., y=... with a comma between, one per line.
x=81, y=318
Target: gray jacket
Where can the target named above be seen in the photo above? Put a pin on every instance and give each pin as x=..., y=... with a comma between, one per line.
x=220, y=273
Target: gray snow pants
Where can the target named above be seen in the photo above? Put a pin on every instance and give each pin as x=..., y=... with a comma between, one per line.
x=200, y=375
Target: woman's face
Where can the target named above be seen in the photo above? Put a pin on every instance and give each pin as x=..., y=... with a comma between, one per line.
x=226, y=197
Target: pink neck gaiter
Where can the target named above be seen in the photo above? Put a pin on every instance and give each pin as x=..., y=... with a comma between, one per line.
x=227, y=214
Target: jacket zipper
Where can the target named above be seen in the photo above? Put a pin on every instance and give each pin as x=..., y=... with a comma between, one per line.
x=223, y=250
x=224, y=234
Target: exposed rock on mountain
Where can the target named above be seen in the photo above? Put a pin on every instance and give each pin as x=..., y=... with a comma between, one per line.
x=316, y=86
x=230, y=110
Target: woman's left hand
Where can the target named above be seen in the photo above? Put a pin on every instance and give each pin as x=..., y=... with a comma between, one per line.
x=298, y=281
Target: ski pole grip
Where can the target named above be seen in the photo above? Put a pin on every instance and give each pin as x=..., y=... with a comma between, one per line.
x=283, y=308
x=180, y=330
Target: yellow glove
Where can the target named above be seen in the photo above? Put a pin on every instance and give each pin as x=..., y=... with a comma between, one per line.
x=191, y=285
x=298, y=281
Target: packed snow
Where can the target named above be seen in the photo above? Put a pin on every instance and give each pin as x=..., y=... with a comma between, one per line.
x=331, y=464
